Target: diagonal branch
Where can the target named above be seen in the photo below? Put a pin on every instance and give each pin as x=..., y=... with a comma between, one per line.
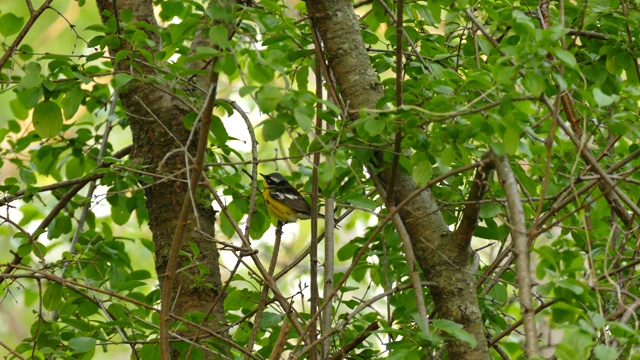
x=414, y=275
x=462, y=235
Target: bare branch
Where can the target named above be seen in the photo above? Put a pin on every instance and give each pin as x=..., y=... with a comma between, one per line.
x=521, y=249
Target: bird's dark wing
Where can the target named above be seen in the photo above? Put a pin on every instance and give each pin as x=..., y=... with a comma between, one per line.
x=290, y=197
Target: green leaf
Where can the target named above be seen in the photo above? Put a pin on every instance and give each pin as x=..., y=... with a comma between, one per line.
x=489, y=211
x=422, y=173
x=10, y=24
x=348, y=251
x=571, y=284
x=25, y=249
x=227, y=64
x=260, y=73
x=374, y=126
x=27, y=176
x=360, y=201
x=499, y=293
x=454, y=330
x=268, y=98
x=304, y=121
x=47, y=119
x=302, y=78
x=219, y=35
x=603, y=352
x=74, y=168
x=52, y=297
x=602, y=99
x=326, y=172
x=94, y=56
x=511, y=140
x=82, y=344
x=260, y=223
x=612, y=67
x=270, y=320
x=272, y=130
x=298, y=148
x=218, y=130
x=565, y=56
x=447, y=156
x=18, y=109
x=246, y=90
x=121, y=79
x=71, y=102
x=533, y=83
x=576, y=344
x=369, y=37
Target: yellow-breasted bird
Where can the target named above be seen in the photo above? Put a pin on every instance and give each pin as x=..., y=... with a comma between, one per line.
x=283, y=201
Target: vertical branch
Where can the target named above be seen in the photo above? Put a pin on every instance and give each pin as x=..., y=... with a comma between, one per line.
x=329, y=251
x=399, y=99
x=315, y=296
x=521, y=249
x=326, y=312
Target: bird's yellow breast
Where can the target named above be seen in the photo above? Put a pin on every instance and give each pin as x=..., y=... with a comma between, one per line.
x=278, y=209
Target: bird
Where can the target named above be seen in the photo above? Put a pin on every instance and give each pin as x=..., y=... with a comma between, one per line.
x=283, y=201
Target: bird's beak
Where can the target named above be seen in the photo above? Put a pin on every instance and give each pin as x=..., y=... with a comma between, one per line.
x=263, y=175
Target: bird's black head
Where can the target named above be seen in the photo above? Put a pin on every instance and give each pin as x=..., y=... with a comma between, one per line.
x=274, y=179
